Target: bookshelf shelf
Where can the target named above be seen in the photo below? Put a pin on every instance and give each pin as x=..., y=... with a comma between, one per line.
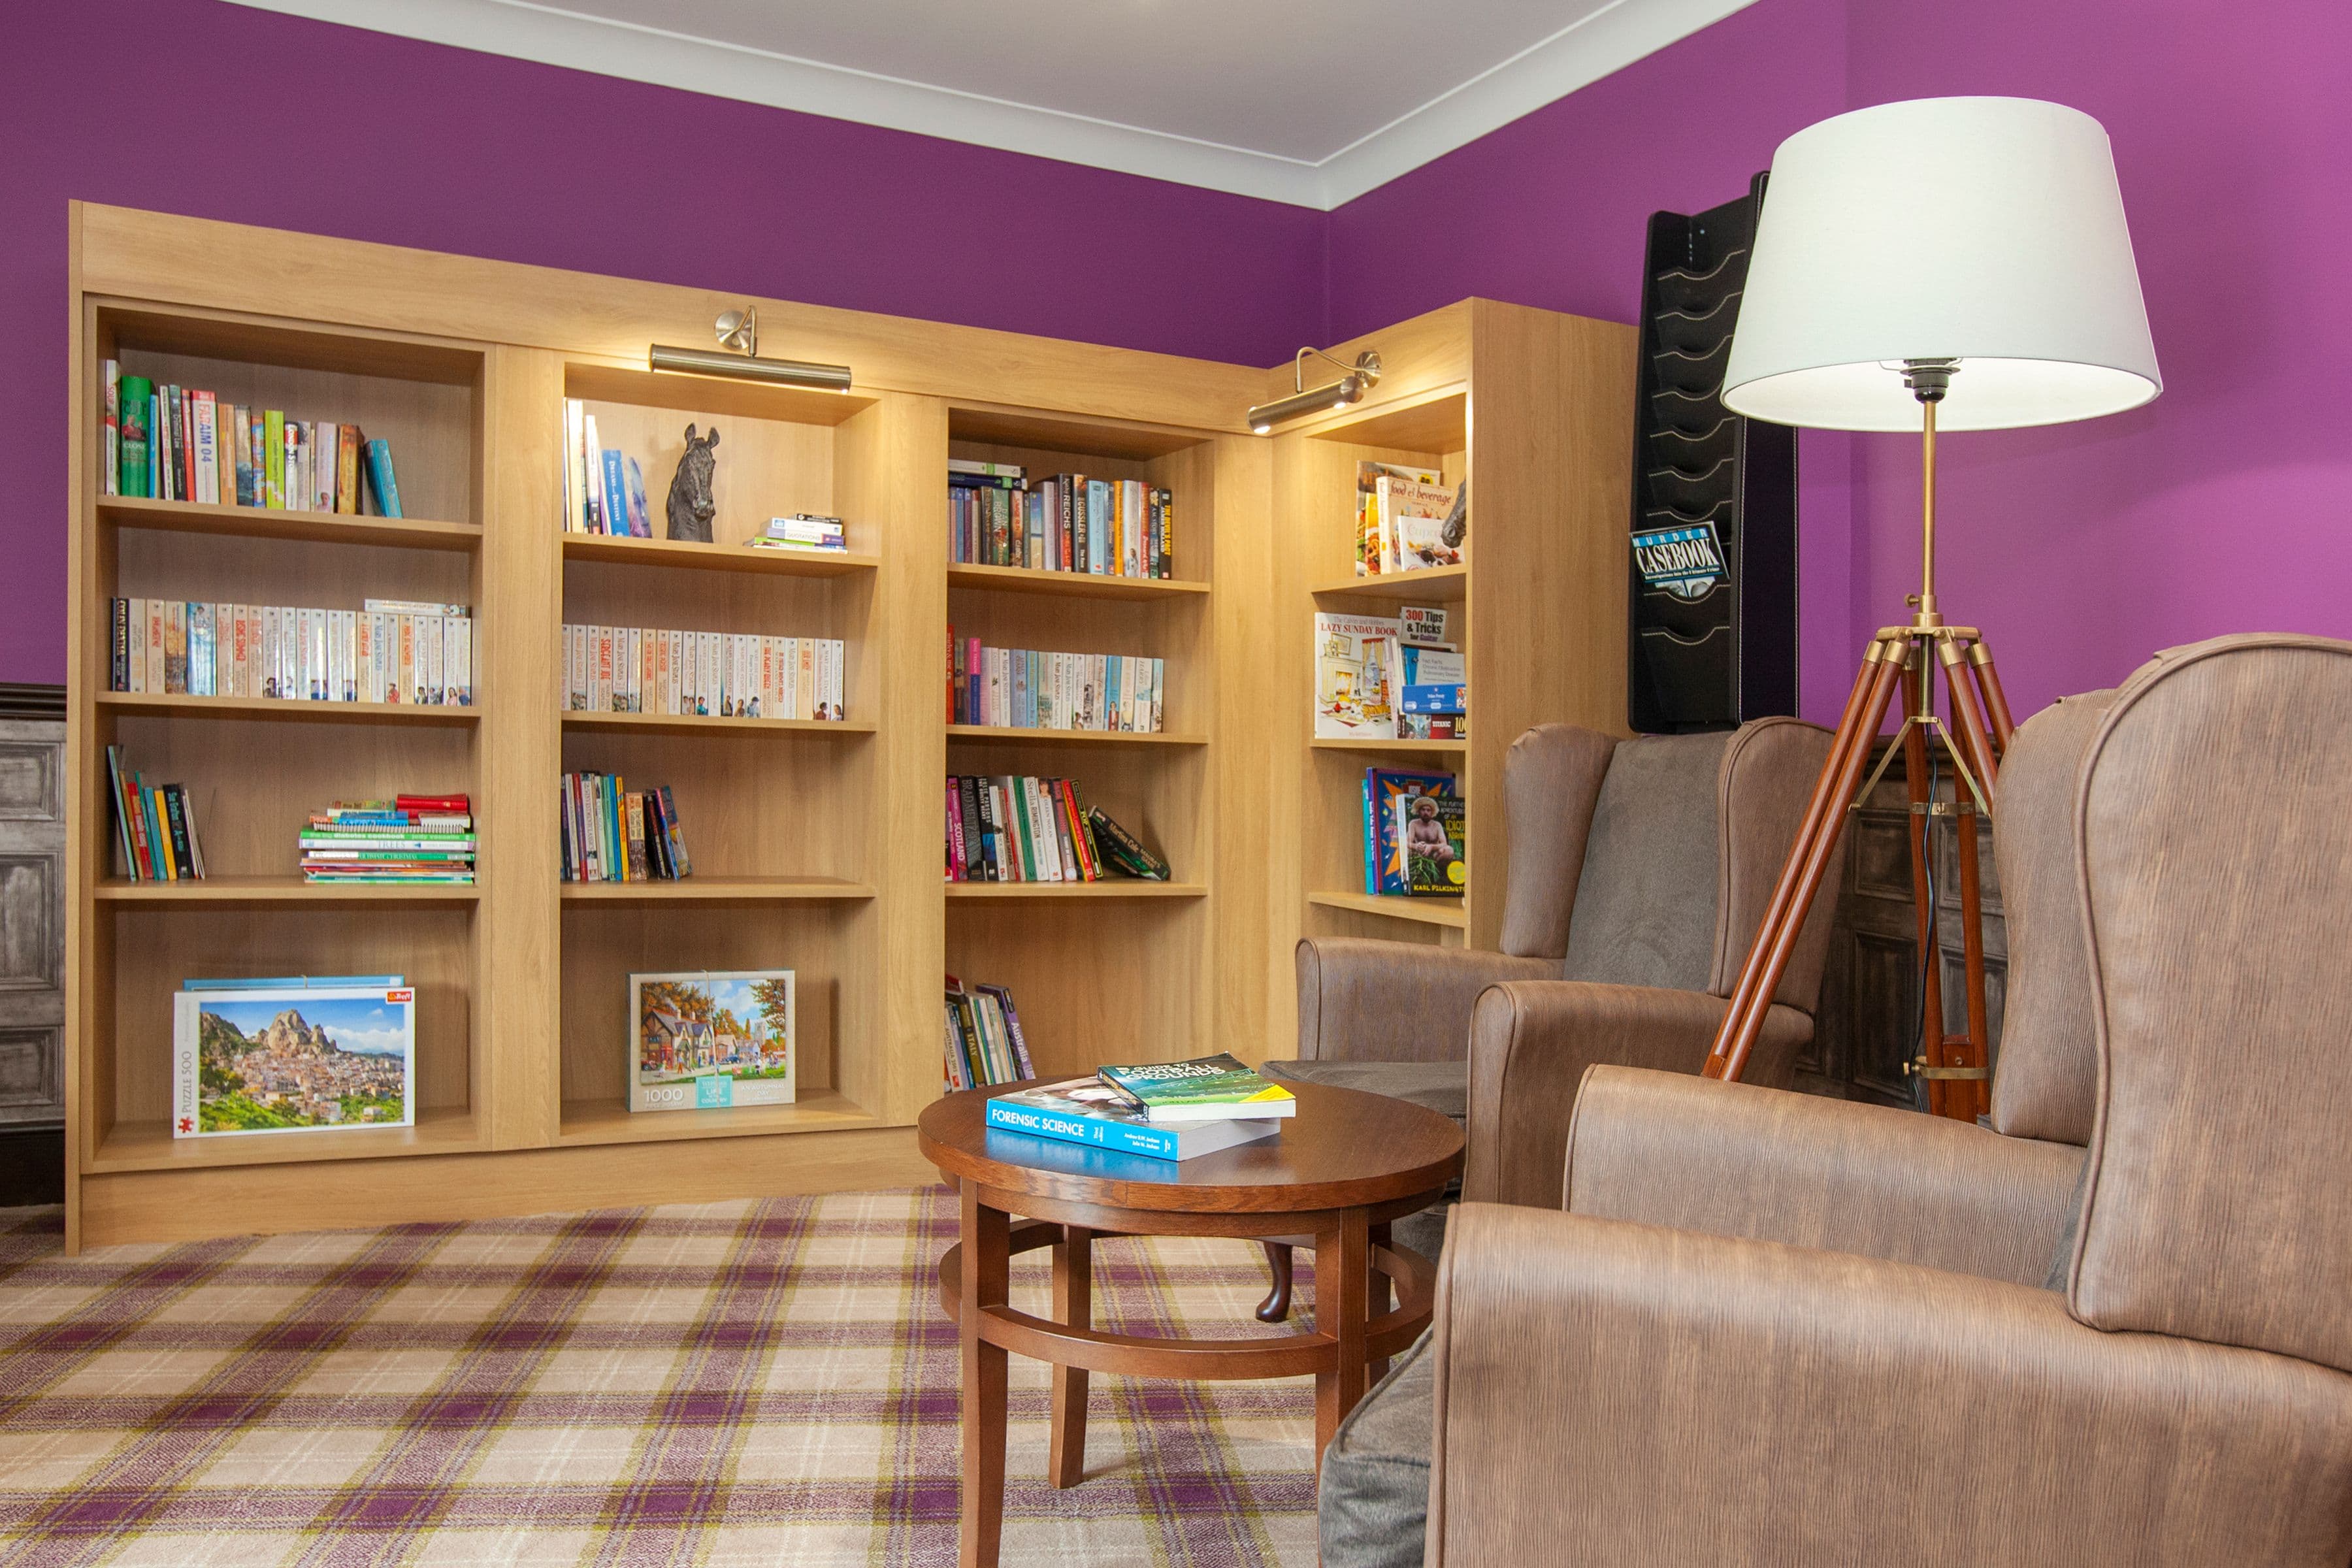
x=611, y=1121
x=1073, y=585
x=231, y=891
x=716, y=890
x=286, y=710
x=262, y=523
x=148, y=1145
x=1436, y=584
x=1120, y=888
x=1393, y=748
x=1006, y=733
x=717, y=557
x=1448, y=912
x=706, y=724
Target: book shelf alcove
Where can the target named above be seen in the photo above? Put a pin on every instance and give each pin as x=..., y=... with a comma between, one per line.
x=817, y=845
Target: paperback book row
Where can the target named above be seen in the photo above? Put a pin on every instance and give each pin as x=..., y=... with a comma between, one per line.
x=293, y=1054
x=985, y=1046
x=1166, y=1110
x=724, y=675
x=1415, y=840
x=155, y=826
x=1111, y=528
x=169, y=443
x=1408, y=520
x=1389, y=678
x=604, y=490
x=409, y=838
x=615, y=834
x=389, y=650
x=705, y=1040
x=1017, y=828
x=1022, y=688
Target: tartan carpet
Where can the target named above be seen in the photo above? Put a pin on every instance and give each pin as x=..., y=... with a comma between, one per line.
x=713, y=1384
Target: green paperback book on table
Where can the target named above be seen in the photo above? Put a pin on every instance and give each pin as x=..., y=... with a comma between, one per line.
x=1205, y=1089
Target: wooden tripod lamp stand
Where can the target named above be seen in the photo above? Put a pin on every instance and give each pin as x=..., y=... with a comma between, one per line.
x=1961, y=262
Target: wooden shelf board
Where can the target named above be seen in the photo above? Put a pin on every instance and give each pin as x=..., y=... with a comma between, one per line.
x=701, y=724
x=1448, y=912
x=1011, y=734
x=612, y=1122
x=1075, y=434
x=229, y=890
x=716, y=890
x=284, y=708
x=1109, y=888
x=1436, y=422
x=717, y=557
x=262, y=523
x=691, y=393
x=1442, y=583
x=1073, y=585
x=1408, y=748
x=149, y=1146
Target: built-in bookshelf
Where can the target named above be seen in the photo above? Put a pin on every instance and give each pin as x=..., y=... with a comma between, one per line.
x=815, y=843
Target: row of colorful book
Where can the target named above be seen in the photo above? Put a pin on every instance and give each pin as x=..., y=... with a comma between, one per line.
x=389, y=650
x=1111, y=528
x=1012, y=827
x=155, y=826
x=409, y=839
x=985, y=1046
x=604, y=488
x=1166, y=1110
x=171, y=443
x=725, y=675
x=1408, y=519
x=1026, y=689
x=611, y=832
x=1390, y=678
x=1415, y=842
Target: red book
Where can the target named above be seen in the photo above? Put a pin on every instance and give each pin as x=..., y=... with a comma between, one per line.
x=449, y=803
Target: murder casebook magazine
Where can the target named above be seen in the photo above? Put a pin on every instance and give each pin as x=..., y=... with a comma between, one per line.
x=292, y=1056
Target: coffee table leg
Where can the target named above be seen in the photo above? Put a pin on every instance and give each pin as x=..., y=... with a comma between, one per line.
x=986, y=1278
x=1074, y=1305
x=1377, y=1304
x=1339, y=1299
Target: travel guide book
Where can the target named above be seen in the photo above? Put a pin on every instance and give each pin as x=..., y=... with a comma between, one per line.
x=293, y=1056
x=1087, y=1110
x=1205, y=1089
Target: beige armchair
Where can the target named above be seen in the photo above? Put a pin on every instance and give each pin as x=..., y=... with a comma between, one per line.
x=1770, y=1329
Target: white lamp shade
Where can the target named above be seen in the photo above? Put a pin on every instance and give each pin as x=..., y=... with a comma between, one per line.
x=1988, y=230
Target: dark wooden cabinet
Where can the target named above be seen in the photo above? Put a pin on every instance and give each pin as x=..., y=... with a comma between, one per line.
x=1868, y=1025
x=32, y=942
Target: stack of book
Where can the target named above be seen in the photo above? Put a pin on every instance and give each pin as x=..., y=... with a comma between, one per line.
x=1022, y=689
x=388, y=650
x=984, y=1042
x=1390, y=678
x=722, y=674
x=1403, y=516
x=614, y=834
x=801, y=530
x=604, y=490
x=1169, y=1111
x=1415, y=840
x=169, y=443
x=409, y=839
x=155, y=825
x=1111, y=528
x=1019, y=828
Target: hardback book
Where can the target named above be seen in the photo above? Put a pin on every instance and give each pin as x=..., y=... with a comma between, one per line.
x=1204, y=1089
x=1432, y=846
x=134, y=397
x=1355, y=671
x=382, y=487
x=1391, y=801
x=1413, y=516
x=1083, y=1110
x=703, y=1040
x=1377, y=551
x=249, y=1058
x=1122, y=849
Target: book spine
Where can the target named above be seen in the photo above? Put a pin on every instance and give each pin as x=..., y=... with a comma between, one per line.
x=684, y=861
x=380, y=474
x=954, y=815
x=1155, y=1142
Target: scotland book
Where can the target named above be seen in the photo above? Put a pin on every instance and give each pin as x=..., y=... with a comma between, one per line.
x=1085, y=1110
x=1205, y=1089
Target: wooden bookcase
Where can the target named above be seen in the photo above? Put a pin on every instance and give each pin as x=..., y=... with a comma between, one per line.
x=816, y=845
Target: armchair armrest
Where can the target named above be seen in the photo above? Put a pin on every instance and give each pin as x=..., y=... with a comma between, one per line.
x=1361, y=1000
x=1613, y=1392
x=1531, y=1042
x=1730, y=1159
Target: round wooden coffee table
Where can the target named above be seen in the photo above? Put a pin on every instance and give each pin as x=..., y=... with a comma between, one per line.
x=1346, y=1166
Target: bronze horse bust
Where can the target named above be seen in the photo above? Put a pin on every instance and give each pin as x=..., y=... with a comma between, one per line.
x=690, y=506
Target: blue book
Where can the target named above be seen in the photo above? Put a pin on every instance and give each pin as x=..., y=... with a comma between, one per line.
x=617, y=494
x=1372, y=857
x=1110, y=691
x=1435, y=699
x=379, y=473
x=1083, y=1110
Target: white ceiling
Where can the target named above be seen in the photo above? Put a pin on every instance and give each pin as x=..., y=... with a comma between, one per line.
x=1308, y=102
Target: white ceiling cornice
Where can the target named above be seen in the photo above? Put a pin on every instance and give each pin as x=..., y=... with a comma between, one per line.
x=1604, y=41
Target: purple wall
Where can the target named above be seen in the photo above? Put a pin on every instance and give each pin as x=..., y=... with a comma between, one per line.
x=2081, y=548
x=191, y=106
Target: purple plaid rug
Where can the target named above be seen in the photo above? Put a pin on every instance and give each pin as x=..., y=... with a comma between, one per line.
x=767, y=1383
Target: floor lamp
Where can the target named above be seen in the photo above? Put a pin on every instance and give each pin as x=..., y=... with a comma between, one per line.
x=1946, y=264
